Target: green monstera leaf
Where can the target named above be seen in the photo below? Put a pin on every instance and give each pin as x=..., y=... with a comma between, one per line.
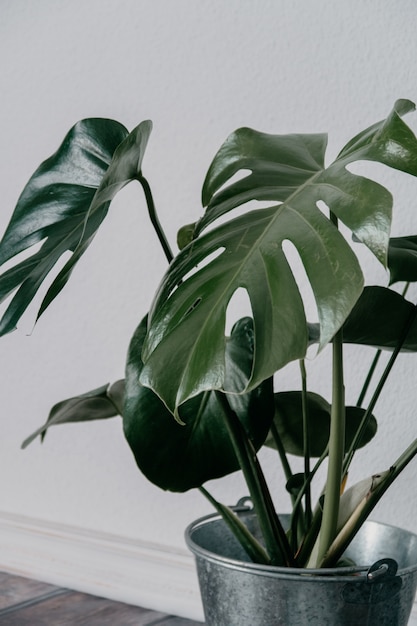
x=184, y=353
x=288, y=421
x=381, y=318
x=98, y=404
x=177, y=456
x=402, y=259
x=63, y=205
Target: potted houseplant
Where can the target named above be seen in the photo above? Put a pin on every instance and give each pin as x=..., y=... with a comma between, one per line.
x=197, y=402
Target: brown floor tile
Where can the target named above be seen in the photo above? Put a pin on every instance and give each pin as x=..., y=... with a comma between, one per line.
x=25, y=602
x=73, y=608
x=16, y=589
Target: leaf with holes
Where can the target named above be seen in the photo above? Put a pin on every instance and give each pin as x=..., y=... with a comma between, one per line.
x=63, y=205
x=184, y=353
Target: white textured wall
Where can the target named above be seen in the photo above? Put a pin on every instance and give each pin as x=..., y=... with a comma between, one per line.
x=199, y=69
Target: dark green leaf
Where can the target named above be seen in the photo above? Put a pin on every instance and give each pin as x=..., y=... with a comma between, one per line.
x=278, y=165
x=101, y=403
x=63, y=205
x=390, y=142
x=116, y=394
x=295, y=484
x=185, y=235
x=289, y=423
x=178, y=457
x=402, y=259
x=189, y=309
x=379, y=319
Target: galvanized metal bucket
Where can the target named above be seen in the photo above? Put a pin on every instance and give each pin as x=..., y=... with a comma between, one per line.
x=379, y=591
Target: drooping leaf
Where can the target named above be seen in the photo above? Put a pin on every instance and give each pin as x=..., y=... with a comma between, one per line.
x=178, y=457
x=101, y=403
x=379, y=318
x=402, y=259
x=190, y=306
x=63, y=205
x=289, y=423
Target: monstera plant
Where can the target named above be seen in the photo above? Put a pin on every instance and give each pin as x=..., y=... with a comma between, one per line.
x=198, y=402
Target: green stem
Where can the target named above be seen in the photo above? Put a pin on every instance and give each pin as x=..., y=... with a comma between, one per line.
x=336, y=452
x=281, y=451
x=297, y=512
x=274, y=535
x=369, y=377
x=373, y=497
x=359, y=433
x=375, y=363
x=310, y=534
x=306, y=442
x=249, y=543
x=305, y=551
x=154, y=218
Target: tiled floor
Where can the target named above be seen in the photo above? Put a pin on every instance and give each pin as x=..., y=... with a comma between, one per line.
x=25, y=602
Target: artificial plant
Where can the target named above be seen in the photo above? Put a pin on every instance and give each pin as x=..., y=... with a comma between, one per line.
x=196, y=403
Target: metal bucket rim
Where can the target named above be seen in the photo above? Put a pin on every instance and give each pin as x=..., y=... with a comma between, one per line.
x=339, y=574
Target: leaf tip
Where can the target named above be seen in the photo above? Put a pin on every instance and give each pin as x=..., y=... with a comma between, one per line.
x=403, y=106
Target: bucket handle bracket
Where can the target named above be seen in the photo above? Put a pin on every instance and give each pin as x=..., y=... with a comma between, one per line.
x=381, y=583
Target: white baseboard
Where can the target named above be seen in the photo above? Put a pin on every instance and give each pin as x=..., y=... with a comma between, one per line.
x=149, y=575
x=140, y=573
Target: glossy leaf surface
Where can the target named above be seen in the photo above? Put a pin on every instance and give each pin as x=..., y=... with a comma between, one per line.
x=102, y=403
x=187, y=320
x=178, y=457
x=402, y=259
x=289, y=423
x=379, y=319
x=63, y=205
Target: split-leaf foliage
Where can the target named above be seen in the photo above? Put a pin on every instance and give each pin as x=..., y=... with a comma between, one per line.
x=198, y=402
